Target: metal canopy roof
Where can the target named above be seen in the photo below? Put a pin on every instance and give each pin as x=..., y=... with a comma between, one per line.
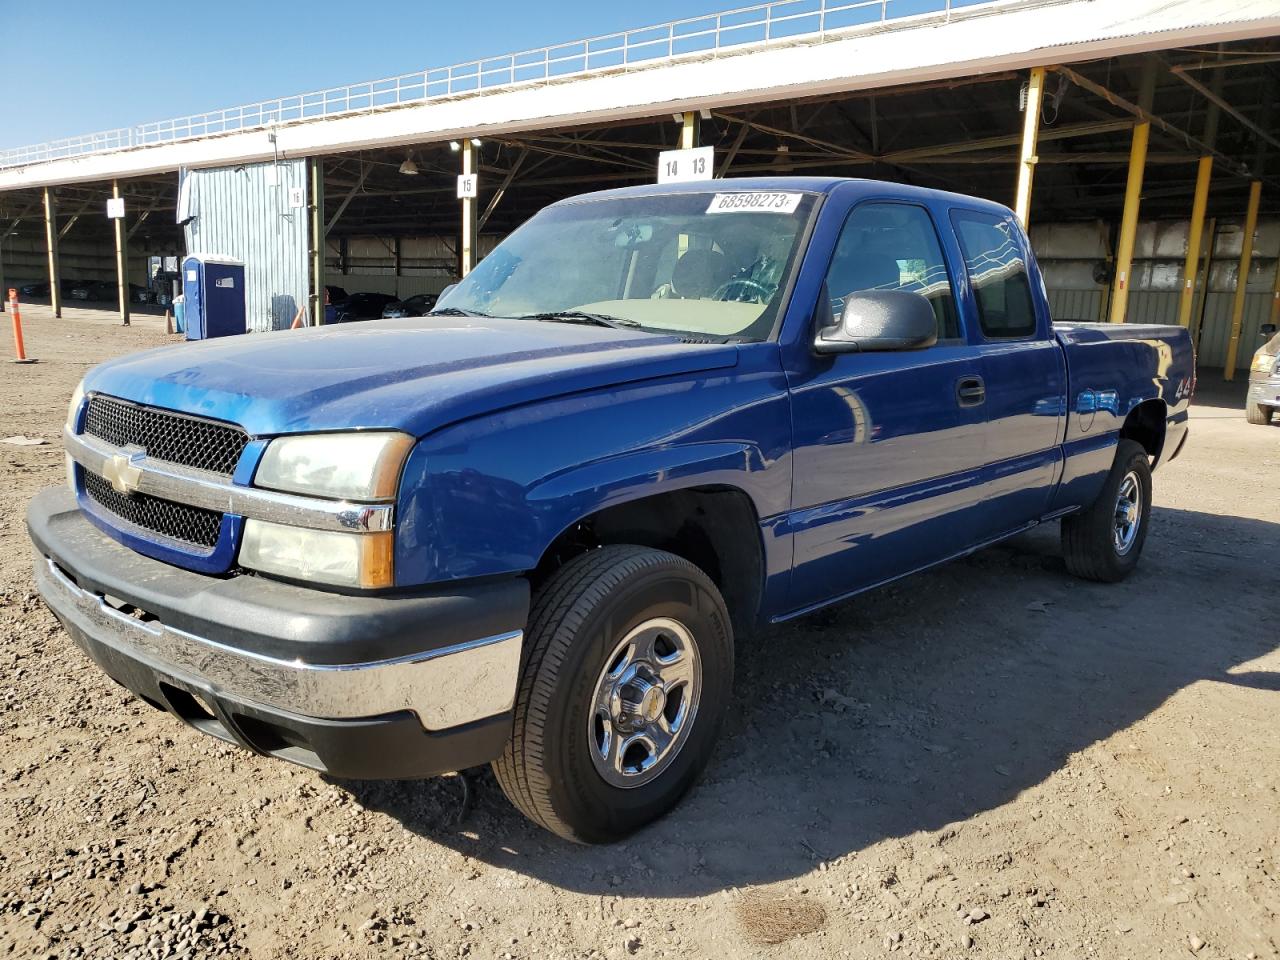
x=984, y=39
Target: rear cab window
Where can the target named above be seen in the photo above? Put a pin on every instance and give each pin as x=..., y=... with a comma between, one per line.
x=997, y=270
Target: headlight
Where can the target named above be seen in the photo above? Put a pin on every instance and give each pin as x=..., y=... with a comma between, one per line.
x=1263, y=362
x=73, y=408
x=345, y=466
x=318, y=556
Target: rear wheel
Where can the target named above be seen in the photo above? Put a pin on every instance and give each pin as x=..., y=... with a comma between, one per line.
x=628, y=671
x=1258, y=413
x=1104, y=542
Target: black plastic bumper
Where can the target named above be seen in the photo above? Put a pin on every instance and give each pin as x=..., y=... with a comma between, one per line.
x=123, y=609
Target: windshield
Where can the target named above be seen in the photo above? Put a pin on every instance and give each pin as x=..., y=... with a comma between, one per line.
x=708, y=264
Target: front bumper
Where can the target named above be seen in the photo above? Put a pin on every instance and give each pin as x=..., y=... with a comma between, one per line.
x=1265, y=390
x=357, y=686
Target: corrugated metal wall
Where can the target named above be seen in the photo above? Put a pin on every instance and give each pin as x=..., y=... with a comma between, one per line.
x=245, y=212
x=1069, y=252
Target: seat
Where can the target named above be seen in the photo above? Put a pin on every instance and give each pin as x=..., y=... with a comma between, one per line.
x=699, y=273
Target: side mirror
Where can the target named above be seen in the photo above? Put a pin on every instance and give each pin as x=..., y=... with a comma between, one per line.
x=875, y=320
x=1267, y=330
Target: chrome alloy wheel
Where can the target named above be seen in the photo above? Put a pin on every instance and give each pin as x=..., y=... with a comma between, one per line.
x=645, y=701
x=1128, y=513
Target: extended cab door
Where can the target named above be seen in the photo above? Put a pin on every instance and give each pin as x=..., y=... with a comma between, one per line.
x=1023, y=368
x=888, y=447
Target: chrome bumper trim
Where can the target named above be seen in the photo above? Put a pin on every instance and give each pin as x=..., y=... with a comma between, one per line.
x=212, y=491
x=444, y=688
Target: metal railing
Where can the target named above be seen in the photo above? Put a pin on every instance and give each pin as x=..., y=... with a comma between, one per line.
x=782, y=21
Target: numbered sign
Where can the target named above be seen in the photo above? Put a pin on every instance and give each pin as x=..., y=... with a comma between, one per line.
x=115, y=208
x=681, y=166
x=297, y=197
x=468, y=187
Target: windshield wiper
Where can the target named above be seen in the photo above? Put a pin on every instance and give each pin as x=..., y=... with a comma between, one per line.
x=581, y=316
x=456, y=312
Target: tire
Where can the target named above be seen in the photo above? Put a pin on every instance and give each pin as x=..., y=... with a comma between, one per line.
x=1093, y=543
x=557, y=768
x=1258, y=413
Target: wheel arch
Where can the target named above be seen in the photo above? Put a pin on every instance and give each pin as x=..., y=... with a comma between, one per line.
x=1147, y=424
x=715, y=527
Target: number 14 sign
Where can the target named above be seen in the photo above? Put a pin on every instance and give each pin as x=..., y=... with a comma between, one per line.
x=681, y=166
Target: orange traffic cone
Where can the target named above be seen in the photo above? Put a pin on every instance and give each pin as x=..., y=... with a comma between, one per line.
x=18, y=346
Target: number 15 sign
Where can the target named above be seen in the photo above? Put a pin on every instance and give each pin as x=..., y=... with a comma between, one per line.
x=681, y=166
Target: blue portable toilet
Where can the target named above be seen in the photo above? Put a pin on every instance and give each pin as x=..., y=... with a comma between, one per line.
x=213, y=295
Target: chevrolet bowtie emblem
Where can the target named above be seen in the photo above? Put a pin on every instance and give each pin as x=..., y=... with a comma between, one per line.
x=123, y=473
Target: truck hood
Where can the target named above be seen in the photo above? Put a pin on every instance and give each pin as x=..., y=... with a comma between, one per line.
x=416, y=374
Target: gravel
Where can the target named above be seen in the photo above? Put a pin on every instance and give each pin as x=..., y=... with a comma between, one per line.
x=990, y=758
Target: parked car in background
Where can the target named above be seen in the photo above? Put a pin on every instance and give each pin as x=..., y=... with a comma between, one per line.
x=41, y=288
x=139, y=294
x=530, y=527
x=1264, y=379
x=360, y=306
x=93, y=290
x=415, y=306
x=333, y=296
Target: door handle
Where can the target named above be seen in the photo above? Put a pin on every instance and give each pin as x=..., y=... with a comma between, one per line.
x=971, y=392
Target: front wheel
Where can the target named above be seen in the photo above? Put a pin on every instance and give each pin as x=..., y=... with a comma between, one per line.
x=627, y=674
x=1104, y=542
x=1258, y=413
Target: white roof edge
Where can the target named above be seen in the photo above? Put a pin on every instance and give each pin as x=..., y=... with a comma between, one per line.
x=213, y=258
x=1082, y=30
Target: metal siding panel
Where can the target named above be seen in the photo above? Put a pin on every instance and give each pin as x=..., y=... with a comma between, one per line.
x=239, y=214
x=1216, y=332
x=1075, y=304
x=1152, y=306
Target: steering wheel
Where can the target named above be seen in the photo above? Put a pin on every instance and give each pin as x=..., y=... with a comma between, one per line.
x=756, y=292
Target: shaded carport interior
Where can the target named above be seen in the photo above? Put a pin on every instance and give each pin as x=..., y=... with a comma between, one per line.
x=84, y=237
x=391, y=231
x=399, y=233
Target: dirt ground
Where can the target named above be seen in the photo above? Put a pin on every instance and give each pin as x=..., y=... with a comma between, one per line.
x=991, y=760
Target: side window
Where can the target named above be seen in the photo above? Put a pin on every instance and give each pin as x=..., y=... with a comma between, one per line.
x=997, y=273
x=893, y=246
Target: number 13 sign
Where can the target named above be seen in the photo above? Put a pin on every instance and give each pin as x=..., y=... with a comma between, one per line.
x=681, y=166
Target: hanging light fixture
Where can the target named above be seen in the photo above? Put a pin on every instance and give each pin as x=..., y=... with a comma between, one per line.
x=409, y=168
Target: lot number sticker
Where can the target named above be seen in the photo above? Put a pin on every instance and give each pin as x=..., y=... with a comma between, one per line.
x=754, y=203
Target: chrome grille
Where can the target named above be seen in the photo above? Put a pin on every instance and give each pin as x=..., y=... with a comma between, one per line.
x=175, y=437
x=192, y=525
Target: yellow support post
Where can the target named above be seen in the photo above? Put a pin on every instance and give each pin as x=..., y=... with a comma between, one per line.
x=1275, y=297
x=122, y=260
x=51, y=238
x=1030, y=134
x=315, y=167
x=467, y=249
x=1242, y=280
x=1194, y=238
x=1129, y=221
x=1202, y=285
x=689, y=131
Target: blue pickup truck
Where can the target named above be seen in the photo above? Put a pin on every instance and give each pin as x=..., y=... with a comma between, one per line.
x=529, y=528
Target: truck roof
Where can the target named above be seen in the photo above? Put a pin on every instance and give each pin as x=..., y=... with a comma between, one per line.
x=807, y=184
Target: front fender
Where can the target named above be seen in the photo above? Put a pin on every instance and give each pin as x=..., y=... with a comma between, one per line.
x=488, y=496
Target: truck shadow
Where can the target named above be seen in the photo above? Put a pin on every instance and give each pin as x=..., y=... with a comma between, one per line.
x=910, y=709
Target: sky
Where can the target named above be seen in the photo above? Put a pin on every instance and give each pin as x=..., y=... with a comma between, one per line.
x=78, y=66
